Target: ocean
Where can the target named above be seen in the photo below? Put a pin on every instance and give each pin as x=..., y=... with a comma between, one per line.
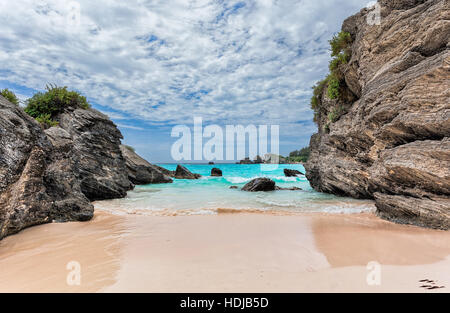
x=212, y=195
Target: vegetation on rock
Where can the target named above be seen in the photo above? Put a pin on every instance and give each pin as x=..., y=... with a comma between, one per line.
x=334, y=82
x=44, y=106
x=10, y=96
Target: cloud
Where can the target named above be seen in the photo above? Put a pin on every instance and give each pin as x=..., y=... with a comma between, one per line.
x=164, y=62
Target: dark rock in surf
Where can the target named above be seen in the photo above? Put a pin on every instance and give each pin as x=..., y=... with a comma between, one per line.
x=216, y=172
x=259, y=184
x=183, y=173
x=141, y=172
x=292, y=173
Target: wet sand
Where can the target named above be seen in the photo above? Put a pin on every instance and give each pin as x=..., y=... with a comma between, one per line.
x=226, y=253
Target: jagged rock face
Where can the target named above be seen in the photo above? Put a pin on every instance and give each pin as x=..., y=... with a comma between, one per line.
x=141, y=172
x=38, y=182
x=96, y=150
x=393, y=144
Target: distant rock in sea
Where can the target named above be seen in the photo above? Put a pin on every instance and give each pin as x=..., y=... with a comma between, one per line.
x=386, y=134
x=141, y=172
x=183, y=173
x=288, y=188
x=216, y=172
x=38, y=177
x=259, y=184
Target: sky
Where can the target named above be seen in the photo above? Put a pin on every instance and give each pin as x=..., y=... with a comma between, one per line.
x=152, y=65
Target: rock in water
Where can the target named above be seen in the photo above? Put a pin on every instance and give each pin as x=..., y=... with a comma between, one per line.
x=392, y=141
x=260, y=184
x=289, y=188
x=183, y=173
x=292, y=173
x=96, y=150
x=165, y=171
x=216, y=172
x=38, y=181
x=141, y=172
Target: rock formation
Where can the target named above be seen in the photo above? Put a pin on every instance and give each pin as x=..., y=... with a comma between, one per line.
x=259, y=184
x=292, y=173
x=96, y=149
x=39, y=181
x=391, y=142
x=141, y=172
x=216, y=172
x=183, y=173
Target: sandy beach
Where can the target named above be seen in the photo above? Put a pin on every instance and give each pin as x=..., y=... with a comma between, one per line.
x=226, y=253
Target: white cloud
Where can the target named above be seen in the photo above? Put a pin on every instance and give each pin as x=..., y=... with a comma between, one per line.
x=167, y=61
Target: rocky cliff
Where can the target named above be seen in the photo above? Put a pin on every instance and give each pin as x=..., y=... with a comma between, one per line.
x=39, y=182
x=390, y=139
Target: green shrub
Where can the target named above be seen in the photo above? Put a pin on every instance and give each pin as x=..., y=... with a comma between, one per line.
x=46, y=121
x=46, y=105
x=301, y=155
x=340, y=42
x=10, y=96
x=341, y=58
x=333, y=87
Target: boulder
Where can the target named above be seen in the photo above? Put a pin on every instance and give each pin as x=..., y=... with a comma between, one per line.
x=259, y=184
x=234, y=187
x=141, y=172
x=292, y=173
x=216, y=172
x=183, y=173
x=39, y=181
x=96, y=151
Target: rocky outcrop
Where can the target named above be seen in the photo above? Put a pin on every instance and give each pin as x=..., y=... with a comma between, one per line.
x=392, y=141
x=96, y=151
x=260, y=184
x=292, y=173
x=141, y=172
x=183, y=173
x=216, y=172
x=39, y=182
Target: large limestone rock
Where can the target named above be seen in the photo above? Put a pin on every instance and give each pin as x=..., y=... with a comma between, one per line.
x=38, y=180
x=393, y=143
x=96, y=150
x=141, y=172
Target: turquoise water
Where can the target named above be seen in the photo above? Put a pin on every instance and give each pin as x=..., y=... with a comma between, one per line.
x=210, y=195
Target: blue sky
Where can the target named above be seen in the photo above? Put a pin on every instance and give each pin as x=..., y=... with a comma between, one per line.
x=151, y=65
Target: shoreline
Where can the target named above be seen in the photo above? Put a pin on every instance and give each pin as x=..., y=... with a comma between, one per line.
x=313, y=252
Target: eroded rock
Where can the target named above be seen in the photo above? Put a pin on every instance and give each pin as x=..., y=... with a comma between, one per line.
x=392, y=144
